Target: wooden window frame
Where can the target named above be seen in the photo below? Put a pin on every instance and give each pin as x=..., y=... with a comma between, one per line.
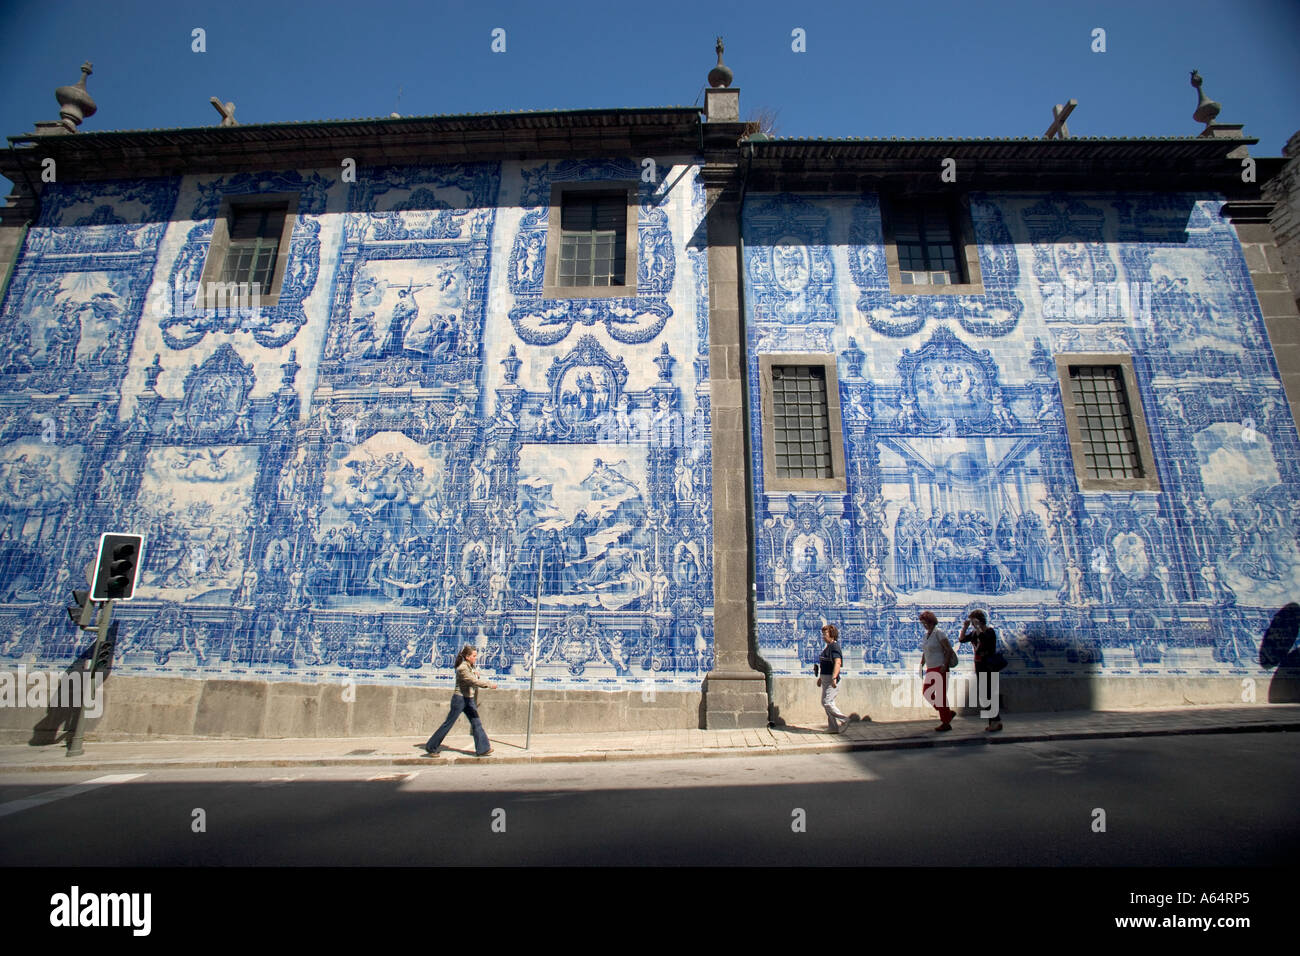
x=218, y=248
x=550, y=287
x=967, y=250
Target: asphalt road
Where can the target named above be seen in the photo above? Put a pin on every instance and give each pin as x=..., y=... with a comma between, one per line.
x=1198, y=800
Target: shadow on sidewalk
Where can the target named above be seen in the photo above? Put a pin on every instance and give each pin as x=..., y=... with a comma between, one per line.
x=61, y=717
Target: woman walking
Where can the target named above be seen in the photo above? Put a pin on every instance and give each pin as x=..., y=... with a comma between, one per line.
x=464, y=699
x=935, y=651
x=985, y=640
x=829, y=665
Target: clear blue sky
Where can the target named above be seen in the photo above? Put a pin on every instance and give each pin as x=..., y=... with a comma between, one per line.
x=931, y=68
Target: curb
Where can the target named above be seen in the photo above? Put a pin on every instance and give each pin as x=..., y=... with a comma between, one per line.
x=1044, y=736
x=906, y=743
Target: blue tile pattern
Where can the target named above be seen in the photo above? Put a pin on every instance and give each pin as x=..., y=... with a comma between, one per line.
x=961, y=488
x=354, y=482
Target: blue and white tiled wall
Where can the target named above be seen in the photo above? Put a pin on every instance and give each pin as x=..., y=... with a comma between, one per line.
x=961, y=488
x=359, y=480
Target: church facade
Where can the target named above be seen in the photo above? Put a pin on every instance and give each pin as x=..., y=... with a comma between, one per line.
x=375, y=390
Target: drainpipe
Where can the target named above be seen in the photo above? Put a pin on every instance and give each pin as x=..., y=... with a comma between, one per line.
x=751, y=569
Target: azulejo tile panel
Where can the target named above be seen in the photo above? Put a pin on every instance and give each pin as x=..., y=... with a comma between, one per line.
x=961, y=489
x=358, y=480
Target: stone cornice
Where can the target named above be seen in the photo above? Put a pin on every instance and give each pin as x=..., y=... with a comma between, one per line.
x=1078, y=164
x=398, y=141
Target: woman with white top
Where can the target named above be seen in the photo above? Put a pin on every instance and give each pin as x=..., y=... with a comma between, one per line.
x=935, y=649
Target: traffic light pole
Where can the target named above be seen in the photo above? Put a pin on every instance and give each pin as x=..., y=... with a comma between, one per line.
x=112, y=577
x=101, y=634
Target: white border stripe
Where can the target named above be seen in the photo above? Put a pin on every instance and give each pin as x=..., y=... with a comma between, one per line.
x=27, y=803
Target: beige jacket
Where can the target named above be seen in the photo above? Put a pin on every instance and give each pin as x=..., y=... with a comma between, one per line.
x=468, y=682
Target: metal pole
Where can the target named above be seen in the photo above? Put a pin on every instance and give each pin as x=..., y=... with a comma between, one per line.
x=532, y=670
x=79, y=727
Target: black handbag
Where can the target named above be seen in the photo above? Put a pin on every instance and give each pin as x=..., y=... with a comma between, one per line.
x=995, y=662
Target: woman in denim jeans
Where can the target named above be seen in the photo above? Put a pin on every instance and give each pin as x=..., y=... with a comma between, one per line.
x=464, y=699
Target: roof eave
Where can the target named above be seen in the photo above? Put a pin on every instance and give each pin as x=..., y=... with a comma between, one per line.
x=462, y=138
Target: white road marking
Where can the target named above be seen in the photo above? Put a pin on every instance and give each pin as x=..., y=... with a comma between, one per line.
x=275, y=781
x=795, y=770
x=27, y=803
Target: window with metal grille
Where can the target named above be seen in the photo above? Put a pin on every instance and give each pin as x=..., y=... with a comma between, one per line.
x=1105, y=421
x=254, y=243
x=593, y=239
x=929, y=252
x=801, y=426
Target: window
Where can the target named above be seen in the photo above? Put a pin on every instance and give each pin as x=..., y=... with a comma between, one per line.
x=927, y=244
x=1105, y=424
x=803, y=444
x=1108, y=435
x=254, y=244
x=593, y=239
x=250, y=244
x=930, y=247
x=591, y=244
x=801, y=423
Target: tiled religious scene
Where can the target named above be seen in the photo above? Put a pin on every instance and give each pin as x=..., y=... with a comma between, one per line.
x=961, y=488
x=369, y=474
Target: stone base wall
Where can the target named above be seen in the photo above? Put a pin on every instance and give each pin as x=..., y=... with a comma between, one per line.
x=152, y=707
x=797, y=701
x=139, y=707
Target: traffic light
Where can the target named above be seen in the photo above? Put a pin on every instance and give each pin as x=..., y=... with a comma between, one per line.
x=83, y=614
x=118, y=567
x=103, y=652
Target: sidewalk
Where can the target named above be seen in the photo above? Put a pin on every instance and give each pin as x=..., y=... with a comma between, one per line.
x=205, y=752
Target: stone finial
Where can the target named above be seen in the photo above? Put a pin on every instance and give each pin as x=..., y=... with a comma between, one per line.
x=720, y=76
x=227, y=111
x=1206, y=108
x=75, y=103
x=1060, y=113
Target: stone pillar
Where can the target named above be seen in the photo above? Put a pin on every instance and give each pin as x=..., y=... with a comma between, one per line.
x=1284, y=190
x=722, y=105
x=735, y=691
x=1276, y=299
x=18, y=211
x=11, y=240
